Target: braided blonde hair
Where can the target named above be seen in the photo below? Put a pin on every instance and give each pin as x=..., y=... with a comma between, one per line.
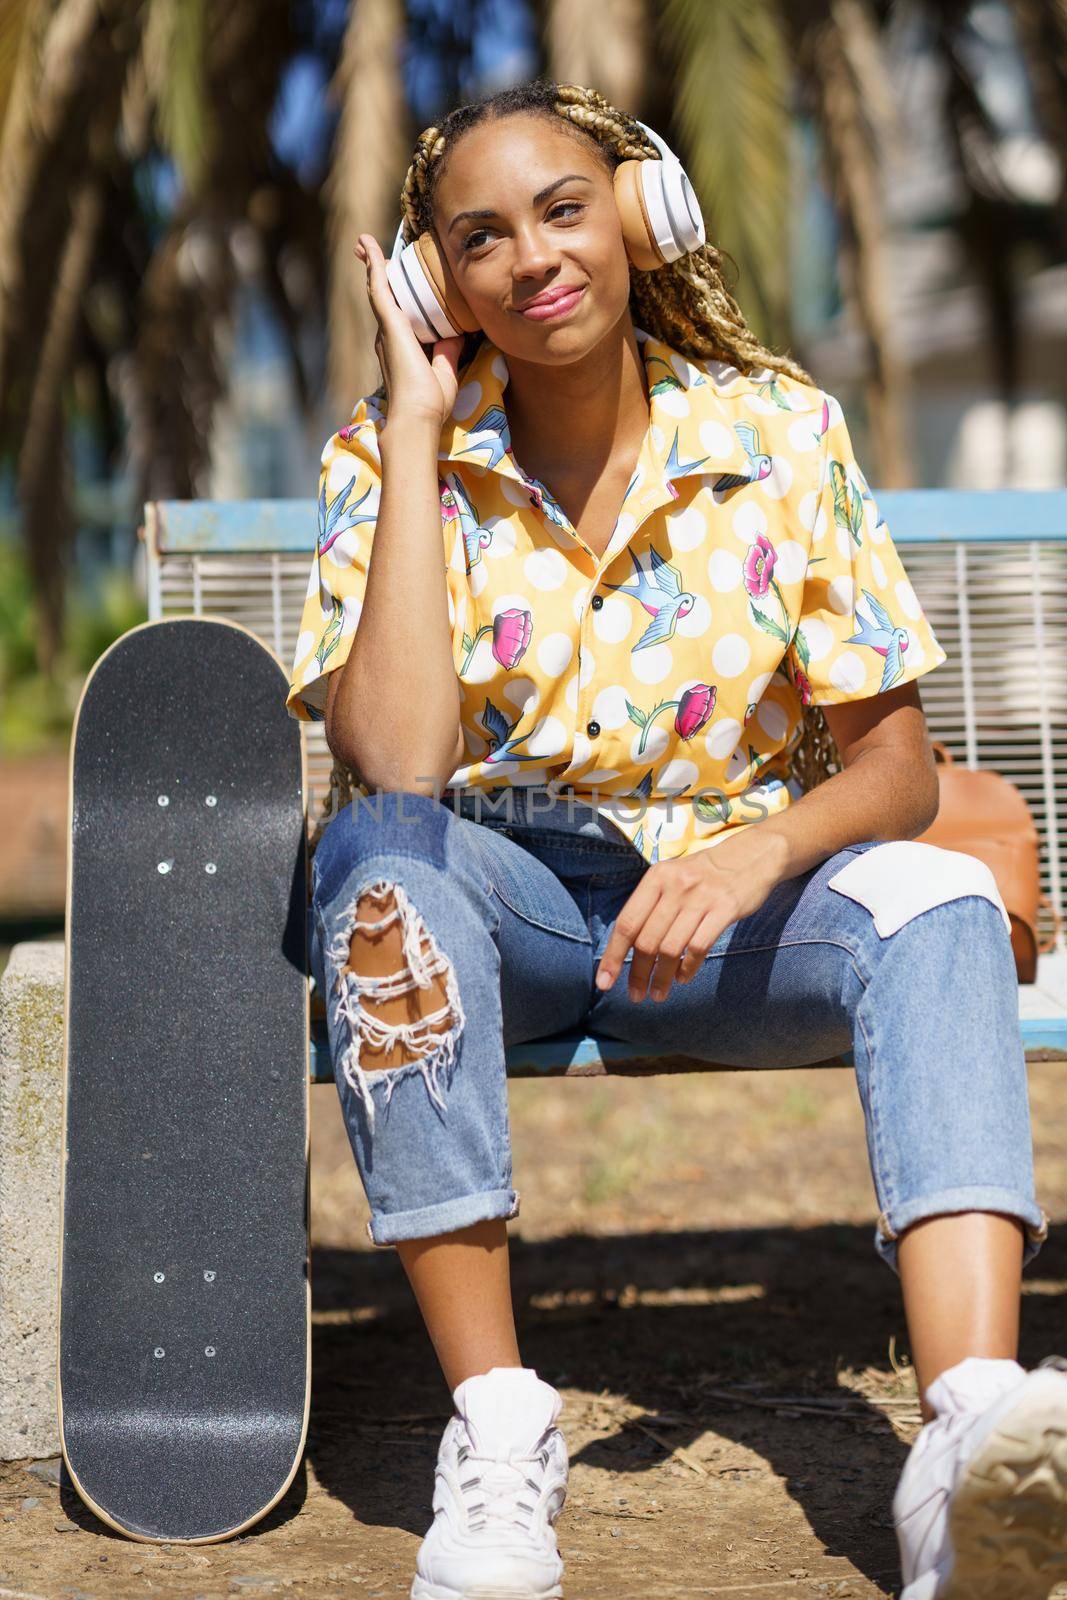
x=685, y=303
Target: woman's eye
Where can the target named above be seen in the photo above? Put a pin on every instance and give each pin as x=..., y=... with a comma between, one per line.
x=472, y=241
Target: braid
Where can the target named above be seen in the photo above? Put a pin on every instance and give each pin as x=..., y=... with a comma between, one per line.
x=685, y=303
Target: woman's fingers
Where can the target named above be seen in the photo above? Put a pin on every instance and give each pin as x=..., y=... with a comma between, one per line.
x=420, y=380
x=390, y=316
x=373, y=291
x=445, y=363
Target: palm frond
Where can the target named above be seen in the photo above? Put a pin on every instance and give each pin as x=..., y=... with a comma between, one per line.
x=732, y=123
x=63, y=91
x=174, y=62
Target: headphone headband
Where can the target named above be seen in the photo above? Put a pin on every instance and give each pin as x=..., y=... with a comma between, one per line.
x=661, y=144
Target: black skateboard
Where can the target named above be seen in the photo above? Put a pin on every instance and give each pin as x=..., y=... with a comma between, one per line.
x=184, y=1351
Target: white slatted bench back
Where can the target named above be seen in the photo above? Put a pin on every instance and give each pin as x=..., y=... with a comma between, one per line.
x=989, y=569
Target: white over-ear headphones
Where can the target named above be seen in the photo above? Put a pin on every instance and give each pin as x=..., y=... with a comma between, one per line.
x=661, y=221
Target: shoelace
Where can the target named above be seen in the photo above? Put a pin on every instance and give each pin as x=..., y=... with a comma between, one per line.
x=500, y=1482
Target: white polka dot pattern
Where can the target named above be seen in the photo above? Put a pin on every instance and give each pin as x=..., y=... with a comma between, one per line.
x=660, y=680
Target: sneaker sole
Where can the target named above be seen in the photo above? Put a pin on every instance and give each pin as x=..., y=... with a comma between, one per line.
x=1008, y=1521
x=421, y=1590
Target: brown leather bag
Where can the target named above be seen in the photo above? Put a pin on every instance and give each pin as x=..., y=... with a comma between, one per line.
x=986, y=815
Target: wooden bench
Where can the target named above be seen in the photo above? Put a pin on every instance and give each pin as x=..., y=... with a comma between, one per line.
x=989, y=568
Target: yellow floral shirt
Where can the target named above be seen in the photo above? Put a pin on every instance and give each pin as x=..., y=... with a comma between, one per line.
x=749, y=574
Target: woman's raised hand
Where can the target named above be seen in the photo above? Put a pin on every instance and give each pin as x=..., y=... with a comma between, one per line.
x=416, y=385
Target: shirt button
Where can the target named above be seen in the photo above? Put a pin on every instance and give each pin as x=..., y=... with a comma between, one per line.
x=597, y=601
x=592, y=729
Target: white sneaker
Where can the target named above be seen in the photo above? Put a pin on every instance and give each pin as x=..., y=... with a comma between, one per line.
x=499, y=1485
x=981, y=1506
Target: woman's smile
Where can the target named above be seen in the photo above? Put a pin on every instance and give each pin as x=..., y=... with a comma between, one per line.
x=553, y=310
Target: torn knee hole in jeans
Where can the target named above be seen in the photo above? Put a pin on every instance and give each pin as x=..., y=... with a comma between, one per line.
x=433, y=1047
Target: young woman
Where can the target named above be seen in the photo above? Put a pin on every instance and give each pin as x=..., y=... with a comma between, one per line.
x=658, y=550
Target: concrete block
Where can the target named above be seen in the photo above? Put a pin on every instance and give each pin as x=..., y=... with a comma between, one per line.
x=31, y=1133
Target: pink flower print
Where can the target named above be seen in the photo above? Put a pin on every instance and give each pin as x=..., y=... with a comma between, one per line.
x=691, y=711
x=803, y=686
x=347, y=432
x=511, y=632
x=759, y=565
x=694, y=709
x=511, y=635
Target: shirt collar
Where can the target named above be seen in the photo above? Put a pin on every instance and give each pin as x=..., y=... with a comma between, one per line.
x=682, y=398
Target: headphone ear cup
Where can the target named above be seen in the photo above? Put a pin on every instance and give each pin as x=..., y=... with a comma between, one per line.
x=637, y=231
x=439, y=273
x=660, y=213
x=426, y=291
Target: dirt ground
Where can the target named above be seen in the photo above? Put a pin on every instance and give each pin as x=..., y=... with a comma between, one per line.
x=693, y=1267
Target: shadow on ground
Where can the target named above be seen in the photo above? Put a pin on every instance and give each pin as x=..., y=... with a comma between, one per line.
x=657, y=1321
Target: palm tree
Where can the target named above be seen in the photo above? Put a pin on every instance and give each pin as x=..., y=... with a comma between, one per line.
x=90, y=279
x=108, y=295
x=742, y=73
x=374, y=137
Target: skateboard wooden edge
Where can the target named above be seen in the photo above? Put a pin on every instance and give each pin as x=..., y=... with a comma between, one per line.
x=298, y=1455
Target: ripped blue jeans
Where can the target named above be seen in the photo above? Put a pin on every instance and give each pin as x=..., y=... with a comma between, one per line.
x=506, y=902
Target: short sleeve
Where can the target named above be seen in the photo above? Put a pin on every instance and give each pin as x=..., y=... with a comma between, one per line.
x=861, y=629
x=349, y=495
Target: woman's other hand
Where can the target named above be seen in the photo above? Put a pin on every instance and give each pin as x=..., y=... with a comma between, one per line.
x=417, y=385
x=679, y=908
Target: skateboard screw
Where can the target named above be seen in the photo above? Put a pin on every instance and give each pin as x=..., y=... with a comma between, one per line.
x=209, y=866
x=209, y=1277
x=211, y=800
x=158, y=1351
x=159, y=1277
x=209, y=1350
x=164, y=800
x=165, y=866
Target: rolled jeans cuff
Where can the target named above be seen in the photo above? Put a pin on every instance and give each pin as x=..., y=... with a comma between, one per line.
x=389, y=1227
x=979, y=1197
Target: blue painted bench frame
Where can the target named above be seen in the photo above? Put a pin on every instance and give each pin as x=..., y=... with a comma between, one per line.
x=915, y=516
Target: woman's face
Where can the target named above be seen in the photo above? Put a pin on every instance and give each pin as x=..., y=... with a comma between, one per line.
x=547, y=220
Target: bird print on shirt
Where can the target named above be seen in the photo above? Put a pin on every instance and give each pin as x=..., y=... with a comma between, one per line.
x=759, y=464
x=643, y=792
x=677, y=468
x=503, y=739
x=889, y=640
x=491, y=433
x=333, y=521
x=456, y=506
x=664, y=599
